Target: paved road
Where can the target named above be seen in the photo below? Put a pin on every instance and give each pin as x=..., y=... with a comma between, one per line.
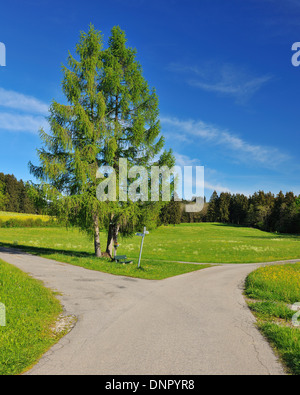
x=196, y=323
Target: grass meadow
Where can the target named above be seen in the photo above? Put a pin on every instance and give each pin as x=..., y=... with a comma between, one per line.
x=272, y=290
x=201, y=243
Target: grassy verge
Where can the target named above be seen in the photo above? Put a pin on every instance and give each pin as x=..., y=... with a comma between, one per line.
x=150, y=269
x=30, y=311
x=271, y=291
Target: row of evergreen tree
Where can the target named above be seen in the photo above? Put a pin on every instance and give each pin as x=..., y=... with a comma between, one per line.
x=17, y=196
x=280, y=213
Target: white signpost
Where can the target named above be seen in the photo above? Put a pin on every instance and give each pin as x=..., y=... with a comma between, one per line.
x=142, y=243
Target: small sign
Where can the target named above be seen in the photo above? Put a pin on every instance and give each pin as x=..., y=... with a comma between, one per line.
x=142, y=243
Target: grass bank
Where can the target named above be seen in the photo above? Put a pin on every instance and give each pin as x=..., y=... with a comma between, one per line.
x=30, y=312
x=271, y=291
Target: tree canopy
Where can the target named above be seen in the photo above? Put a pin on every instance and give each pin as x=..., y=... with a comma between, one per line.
x=111, y=113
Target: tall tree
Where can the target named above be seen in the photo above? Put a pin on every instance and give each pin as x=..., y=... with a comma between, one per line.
x=213, y=208
x=3, y=196
x=111, y=114
x=12, y=192
x=238, y=209
x=71, y=152
x=224, y=204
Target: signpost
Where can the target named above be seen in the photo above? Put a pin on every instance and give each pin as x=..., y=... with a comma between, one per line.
x=142, y=243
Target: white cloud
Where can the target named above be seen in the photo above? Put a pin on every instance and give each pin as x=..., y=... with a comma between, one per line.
x=225, y=79
x=18, y=101
x=26, y=113
x=242, y=90
x=22, y=123
x=242, y=150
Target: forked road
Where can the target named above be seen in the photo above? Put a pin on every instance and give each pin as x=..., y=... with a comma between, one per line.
x=197, y=323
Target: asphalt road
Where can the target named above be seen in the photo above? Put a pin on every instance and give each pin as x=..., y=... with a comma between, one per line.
x=194, y=324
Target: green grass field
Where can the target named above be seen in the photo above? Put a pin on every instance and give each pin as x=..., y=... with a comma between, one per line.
x=30, y=310
x=202, y=243
x=272, y=290
x=199, y=243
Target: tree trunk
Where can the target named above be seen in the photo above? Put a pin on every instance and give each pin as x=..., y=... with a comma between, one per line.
x=112, y=238
x=97, y=237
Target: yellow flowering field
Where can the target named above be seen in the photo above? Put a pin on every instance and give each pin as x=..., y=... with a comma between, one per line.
x=272, y=290
x=17, y=220
x=5, y=216
x=276, y=282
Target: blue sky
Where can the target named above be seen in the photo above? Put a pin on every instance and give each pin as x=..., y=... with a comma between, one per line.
x=229, y=94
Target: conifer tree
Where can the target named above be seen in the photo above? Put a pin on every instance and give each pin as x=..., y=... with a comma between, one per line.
x=213, y=208
x=3, y=196
x=111, y=114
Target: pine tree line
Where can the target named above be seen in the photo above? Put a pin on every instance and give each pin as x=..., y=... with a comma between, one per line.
x=265, y=211
x=17, y=196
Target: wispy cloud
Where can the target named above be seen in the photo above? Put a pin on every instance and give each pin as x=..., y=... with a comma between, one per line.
x=22, y=113
x=240, y=149
x=18, y=101
x=226, y=80
x=22, y=123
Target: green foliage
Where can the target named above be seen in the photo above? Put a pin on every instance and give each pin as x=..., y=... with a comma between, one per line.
x=171, y=213
x=131, y=106
x=261, y=210
x=3, y=196
x=15, y=195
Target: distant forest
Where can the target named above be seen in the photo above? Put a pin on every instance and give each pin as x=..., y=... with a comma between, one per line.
x=20, y=197
x=265, y=211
